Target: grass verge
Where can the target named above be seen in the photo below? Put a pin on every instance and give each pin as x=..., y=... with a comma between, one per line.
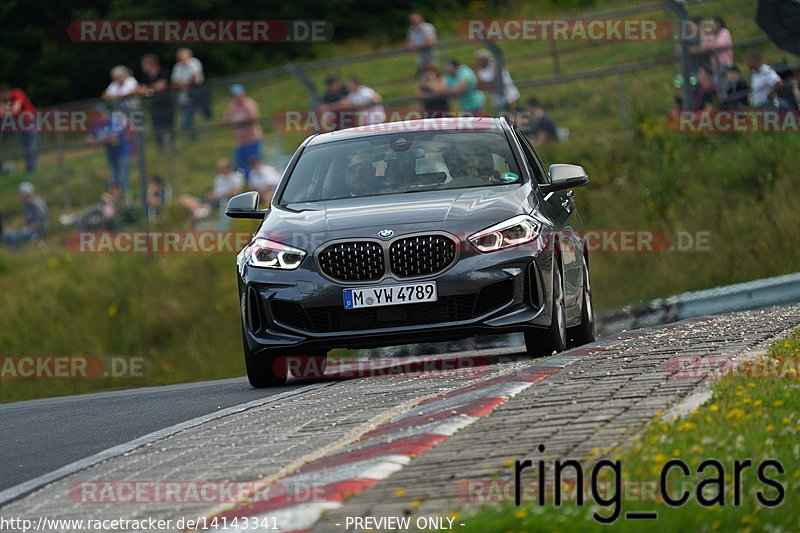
x=751, y=415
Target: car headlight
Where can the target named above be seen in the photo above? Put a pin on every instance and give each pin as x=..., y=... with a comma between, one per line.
x=512, y=232
x=265, y=253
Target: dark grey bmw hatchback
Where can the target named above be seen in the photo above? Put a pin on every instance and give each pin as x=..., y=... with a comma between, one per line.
x=424, y=230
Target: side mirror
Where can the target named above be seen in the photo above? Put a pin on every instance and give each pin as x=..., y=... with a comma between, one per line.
x=245, y=205
x=566, y=177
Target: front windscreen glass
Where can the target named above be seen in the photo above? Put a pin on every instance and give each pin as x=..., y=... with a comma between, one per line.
x=401, y=163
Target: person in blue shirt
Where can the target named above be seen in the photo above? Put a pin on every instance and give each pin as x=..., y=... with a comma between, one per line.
x=461, y=82
x=110, y=130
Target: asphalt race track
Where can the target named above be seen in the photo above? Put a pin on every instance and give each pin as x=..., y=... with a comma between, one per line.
x=40, y=436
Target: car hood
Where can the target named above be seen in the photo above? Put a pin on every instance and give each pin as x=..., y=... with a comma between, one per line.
x=455, y=210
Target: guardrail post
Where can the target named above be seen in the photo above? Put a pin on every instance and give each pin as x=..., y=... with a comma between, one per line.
x=556, y=61
x=623, y=105
x=62, y=169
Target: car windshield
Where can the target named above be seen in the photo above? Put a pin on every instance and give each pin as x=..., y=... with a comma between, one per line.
x=401, y=163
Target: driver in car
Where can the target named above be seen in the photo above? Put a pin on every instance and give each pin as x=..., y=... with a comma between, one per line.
x=360, y=179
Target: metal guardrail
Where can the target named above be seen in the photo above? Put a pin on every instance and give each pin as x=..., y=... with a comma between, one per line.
x=757, y=294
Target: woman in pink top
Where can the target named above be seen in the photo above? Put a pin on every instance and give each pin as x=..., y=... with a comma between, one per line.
x=719, y=43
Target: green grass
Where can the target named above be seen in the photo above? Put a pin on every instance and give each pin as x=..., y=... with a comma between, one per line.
x=748, y=416
x=180, y=310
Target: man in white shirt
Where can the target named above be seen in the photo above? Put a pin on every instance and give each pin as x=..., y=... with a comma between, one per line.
x=487, y=80
x=764, y=78
x=187, y=73
x=421, y=39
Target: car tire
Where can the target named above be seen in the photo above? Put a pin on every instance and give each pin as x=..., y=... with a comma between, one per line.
x=584, y=333
x=543, y=342
x=263, y=368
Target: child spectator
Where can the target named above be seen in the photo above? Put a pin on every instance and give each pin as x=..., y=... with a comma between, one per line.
x=706, y=91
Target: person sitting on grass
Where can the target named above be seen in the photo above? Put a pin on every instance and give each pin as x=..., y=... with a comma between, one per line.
x=98, y=216
x=34, y=225
x=263, y=178
x=229, y=182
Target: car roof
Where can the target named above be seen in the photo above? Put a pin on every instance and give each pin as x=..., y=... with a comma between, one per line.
x=450, y=124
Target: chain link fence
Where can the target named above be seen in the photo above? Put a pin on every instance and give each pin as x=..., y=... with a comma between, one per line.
x=592, y=89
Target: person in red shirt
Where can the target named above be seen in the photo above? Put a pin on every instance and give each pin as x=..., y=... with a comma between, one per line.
x=15, y=103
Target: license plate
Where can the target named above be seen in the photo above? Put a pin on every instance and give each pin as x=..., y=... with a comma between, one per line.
x=411, y=293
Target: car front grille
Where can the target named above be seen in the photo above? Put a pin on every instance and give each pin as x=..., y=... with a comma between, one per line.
x=421, y=255
x=447, y=309
x=409, y=257
x=353, y=261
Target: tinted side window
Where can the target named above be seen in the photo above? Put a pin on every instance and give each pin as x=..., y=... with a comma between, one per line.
x=533, y=161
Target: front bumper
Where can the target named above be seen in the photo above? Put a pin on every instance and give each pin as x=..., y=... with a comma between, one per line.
x=290, y=312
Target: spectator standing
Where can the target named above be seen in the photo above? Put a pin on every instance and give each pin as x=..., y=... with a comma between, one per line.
x=719, y=44
x=421, y=39
x=34, y=210
x=763, y=80
x=694, y=38
x=706, y=91
x=462, y=83
x=431, y=91
x=155, y=87
x=243, y=115
x=487, y=81
x=736, y=91
x=123, y=89
x=365, y=101
x=16, y=103
x=540, y=127
x=228, y=183
x=263, y=178
x=334, y=92
x=187, y=73
x=110, y=131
